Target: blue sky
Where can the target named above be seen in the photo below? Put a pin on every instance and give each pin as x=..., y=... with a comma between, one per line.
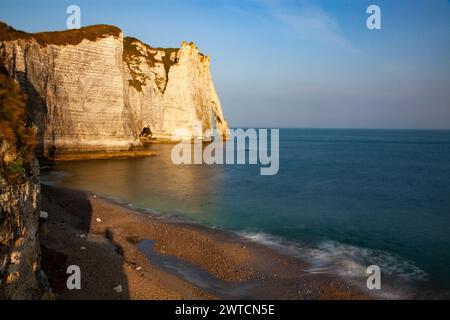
x=290, y=63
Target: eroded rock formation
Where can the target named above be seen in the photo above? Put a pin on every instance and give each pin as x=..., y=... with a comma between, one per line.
x=93, y=89
x=20, y=271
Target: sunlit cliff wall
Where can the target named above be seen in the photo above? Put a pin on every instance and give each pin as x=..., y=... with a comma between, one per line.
x=91, y=89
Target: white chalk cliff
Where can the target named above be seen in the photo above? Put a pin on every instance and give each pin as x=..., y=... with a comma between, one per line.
x=93, y=89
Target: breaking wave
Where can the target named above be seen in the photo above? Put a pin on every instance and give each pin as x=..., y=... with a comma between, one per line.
x=349, y=261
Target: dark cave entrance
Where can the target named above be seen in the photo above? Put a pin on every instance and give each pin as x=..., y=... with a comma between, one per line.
x=146, y=133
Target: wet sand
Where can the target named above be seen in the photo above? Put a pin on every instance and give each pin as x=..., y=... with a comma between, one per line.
x=127, y=254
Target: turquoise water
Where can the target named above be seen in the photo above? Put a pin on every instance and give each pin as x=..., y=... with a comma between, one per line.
x=343, y=198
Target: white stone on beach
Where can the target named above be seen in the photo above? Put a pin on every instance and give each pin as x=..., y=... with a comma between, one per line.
x=118, y=289
x=98, y=220
x=82, y=236
x=43, y=215
x=139, y=268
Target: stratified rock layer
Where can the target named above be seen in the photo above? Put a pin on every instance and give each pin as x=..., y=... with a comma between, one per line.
x=91, y=89
x=20, y=272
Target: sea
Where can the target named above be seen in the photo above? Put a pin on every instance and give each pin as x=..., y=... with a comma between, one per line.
x=343, y=199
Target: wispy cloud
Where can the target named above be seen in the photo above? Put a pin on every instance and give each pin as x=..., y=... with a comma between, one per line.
x=307, y=19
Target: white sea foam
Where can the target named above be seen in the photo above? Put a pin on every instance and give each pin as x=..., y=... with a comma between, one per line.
x=349, y=261
x=353, y=261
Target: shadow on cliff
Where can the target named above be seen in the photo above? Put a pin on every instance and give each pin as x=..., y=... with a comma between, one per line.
x=37, y=111
x=67, y=237
x=72, y=236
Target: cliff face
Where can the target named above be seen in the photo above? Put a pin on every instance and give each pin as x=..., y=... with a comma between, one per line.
x=91, y=89
x=20, y=273
x=172, y=88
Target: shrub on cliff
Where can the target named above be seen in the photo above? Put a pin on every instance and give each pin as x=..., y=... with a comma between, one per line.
x=18, y=138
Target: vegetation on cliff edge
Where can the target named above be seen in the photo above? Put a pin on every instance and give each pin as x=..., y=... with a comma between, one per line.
x=66, y=37
x=14, y=133
x=131, y=53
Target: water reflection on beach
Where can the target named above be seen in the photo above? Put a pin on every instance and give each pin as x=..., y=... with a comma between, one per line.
x=150, y=182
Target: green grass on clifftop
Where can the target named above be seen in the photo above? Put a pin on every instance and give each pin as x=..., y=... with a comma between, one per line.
x=66, y=37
